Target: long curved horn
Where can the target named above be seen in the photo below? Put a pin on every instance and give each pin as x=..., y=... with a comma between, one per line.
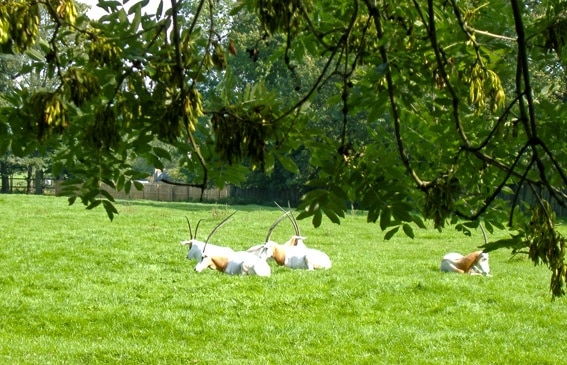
x=293, y=221
x=276, y=222
x=189, y=225
x=217, y=227
x=291, y=218
x=196, y=228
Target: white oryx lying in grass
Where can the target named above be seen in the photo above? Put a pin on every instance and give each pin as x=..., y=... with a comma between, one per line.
x=294, y=254
x=196, y=247
x=475, y=263
x=230, y=262
x=297, y=257
x=259, y=250
x=237, y=263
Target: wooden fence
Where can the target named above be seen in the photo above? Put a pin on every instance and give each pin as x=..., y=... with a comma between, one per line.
x=526, y=195
x=169, y=193
x=173, y=193
x=159, y=191
x=262, y=195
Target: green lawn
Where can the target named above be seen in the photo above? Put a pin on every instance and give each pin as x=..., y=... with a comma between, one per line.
x=76, y=288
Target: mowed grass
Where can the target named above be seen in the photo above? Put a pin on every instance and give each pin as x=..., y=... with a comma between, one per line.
x=76, y=288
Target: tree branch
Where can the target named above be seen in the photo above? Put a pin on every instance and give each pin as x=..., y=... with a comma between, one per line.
x=375, y=14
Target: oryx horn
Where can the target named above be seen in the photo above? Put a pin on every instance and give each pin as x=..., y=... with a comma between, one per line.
x=216, y=228
x=291, y=218
x=276, y=222
x=196, y=228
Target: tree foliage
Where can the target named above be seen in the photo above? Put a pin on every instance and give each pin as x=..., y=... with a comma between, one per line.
x=414, y=109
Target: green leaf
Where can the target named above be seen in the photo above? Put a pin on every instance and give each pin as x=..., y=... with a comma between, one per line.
x=373, y=214
x=44, y=45
x=159, y=9
x=401, y=211
x=135, y=25
x=269, y=163
x=332, y=216
x=391, y=233
x=288, y=164
x=139, y=186
x=107, y=195
x=34, y=54
x=93, y=204
x=408, y=230
x=317, y=218
x=127, y=186
x=110, y=209
x=418, y=221
x=385, y=219
x=162, y=153
x=313, y=195
x=463, y=228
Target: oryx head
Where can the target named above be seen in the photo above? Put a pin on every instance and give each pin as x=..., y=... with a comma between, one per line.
x=481, y=266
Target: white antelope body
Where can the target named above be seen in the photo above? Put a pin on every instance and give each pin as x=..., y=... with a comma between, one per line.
x=294, y=253
x=197, y=248
x=297, y=257
x=259, y=250
x=238, y=263
x=475, y=263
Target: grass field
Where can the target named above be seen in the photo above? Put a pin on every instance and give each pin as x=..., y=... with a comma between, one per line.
x=76, y=288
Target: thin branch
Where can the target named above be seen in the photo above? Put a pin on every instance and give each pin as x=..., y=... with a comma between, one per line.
x=183, y=89
x=554, y=162
x=492, y=35
x=498, y=189
x=523, y=63
x=375, y=14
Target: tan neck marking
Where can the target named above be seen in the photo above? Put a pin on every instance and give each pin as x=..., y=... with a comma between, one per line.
x=279, y=255
x=467, y=262
x=219, y=263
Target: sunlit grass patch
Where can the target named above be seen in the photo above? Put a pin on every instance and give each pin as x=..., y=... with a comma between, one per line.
x=77, y=288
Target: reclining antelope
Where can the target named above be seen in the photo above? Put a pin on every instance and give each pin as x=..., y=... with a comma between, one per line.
x=197, y=247
x=475, y=263
x=294, y=253
x=231, y=262
x=236, y=263
x=293, y=241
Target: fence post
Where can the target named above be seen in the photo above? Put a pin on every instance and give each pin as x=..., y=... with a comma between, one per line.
x=38, y=181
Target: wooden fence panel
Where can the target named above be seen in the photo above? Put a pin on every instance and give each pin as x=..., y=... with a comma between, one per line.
x=174, y=193
x=164, y=192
